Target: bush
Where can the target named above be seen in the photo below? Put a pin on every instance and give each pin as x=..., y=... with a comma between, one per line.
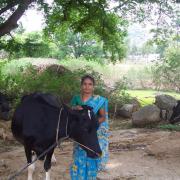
x=27, y=79
x=118, y=97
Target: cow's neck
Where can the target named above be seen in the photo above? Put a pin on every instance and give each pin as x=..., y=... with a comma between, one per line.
x=62, y=124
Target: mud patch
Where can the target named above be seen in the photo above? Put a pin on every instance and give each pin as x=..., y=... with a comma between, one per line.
x=135, y=154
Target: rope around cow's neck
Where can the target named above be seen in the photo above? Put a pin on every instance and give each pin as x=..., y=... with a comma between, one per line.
x=57, y=129
x=85, y=147
x=67, y=136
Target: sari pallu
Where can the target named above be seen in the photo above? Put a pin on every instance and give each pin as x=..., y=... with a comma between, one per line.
x=83, y=167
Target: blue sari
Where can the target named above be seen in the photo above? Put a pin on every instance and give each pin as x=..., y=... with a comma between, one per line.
x=83, y=167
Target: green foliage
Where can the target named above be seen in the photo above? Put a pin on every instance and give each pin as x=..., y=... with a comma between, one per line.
x=100, y=87
x=167, y=34
x=148, y=48
x=14, y=47
x=76, y=45
x=35, y=46
x=167, y=71
x=146, y=97
x=27, y=45
x=103, y=19
x=30, y=80
x=90, y=18
x=139, y=77
x=118, y=96
x=62, y=44
x=27, y=79
x=88, y=44
x=170, y=127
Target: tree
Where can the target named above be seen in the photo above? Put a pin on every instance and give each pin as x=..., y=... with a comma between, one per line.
x=167, y=71
x=26, y=45
x=104, y=18
x=10, y=12
x=81, y=14
x=77, y=45
x=88, y=44
x=168, y=32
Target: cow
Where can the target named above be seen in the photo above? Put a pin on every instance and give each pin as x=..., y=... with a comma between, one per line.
x=40, y=120
x=175, y=117
x=4, y=107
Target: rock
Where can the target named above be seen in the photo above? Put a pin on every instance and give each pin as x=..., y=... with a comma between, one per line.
x=125, y=111
x=136, y=104
x=147, y=115
x=2, y=134
x=58, y=69
x=5, y=131
x=165, y=102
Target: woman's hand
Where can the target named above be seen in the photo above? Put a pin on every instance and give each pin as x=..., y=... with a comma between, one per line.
x=77, y=107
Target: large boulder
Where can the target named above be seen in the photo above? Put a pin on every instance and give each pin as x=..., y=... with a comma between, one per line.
x=147, y=115
x=125, y=111
x=165, y=102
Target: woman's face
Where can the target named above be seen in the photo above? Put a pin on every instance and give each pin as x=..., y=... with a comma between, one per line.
x=87, y=86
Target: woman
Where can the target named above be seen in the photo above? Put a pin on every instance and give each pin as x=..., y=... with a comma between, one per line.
x=83, y=167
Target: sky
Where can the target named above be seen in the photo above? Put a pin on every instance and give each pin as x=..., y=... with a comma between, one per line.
x=32, y=20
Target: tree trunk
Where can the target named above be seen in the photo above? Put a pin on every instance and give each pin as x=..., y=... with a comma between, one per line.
x=11, y=22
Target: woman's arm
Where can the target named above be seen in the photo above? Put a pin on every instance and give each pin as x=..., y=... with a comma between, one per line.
x=102, y=116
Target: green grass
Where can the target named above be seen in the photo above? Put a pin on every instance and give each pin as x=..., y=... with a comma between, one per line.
x=110, y=72
x=170, y=127
x=146, y=97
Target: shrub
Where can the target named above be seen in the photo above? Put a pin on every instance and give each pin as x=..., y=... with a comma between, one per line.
x=118, y=97
x=27, y=79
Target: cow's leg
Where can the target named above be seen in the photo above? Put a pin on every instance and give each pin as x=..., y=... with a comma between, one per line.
x=30, y=157
x=47, y=164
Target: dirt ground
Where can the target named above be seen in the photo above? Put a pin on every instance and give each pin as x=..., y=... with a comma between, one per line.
x=135, y=154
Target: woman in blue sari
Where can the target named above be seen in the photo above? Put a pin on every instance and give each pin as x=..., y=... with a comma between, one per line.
x=83, y=167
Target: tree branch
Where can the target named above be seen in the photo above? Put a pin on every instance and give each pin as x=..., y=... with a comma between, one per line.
x=9, y=6
x=11, y=22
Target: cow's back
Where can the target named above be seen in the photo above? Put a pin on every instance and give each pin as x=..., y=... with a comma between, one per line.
x=34, y=122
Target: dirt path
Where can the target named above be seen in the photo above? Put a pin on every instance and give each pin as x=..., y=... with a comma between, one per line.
x=135, y=154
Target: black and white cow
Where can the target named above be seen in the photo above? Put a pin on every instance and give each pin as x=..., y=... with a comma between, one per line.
x=4, y=107
x=175, y=117
x=35, y=123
